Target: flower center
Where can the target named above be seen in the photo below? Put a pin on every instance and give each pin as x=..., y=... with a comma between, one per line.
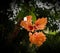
x=31, y=27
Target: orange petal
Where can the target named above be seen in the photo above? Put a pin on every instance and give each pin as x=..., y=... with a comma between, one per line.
x=40, y=27
x=40, y=23
x=37, y=38
x=23, y=24
x=27, y=25
x=29, y=18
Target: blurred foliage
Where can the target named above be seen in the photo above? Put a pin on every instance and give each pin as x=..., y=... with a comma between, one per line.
x=20, y=43
x=31, y=8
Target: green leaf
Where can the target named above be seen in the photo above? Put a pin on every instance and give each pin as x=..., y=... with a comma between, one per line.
x=47, y=31
x=57, y=17
x=33, y=17
x=32, y=9
x=20, y=14
x=53, y=33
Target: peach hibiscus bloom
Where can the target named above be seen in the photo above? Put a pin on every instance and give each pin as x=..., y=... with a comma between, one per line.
x=38, y=38
x=39, y=24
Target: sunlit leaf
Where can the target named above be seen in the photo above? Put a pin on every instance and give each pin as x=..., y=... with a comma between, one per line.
x=33, y=17
x=50, y=32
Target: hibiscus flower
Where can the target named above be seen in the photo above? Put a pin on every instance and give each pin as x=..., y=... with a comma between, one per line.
x=37, y=38
x=39, y=24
